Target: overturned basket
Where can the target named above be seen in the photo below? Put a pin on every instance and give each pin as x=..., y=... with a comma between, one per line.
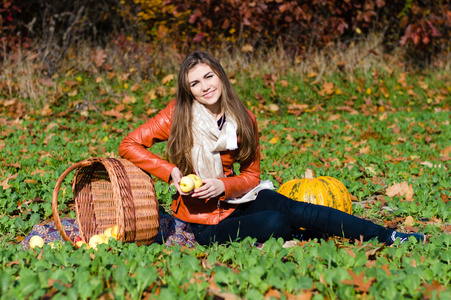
x=110, y=192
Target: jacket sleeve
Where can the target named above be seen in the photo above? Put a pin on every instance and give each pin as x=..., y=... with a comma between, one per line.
x=249, y=177
x=134, y=146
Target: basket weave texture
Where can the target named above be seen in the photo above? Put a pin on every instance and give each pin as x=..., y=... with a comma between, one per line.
x=109, y=192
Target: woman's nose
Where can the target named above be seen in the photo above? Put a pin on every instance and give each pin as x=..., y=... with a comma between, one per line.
x=205, y=86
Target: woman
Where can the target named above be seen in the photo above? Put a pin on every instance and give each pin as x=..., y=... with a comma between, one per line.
x=208, y=129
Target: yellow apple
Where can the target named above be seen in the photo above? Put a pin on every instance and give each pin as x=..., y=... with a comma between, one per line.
x=96, y=240
x=36, y=241
x=186, y=184
x=79, y=244
x=108, y=233
x=197, y=181
x=114, y=231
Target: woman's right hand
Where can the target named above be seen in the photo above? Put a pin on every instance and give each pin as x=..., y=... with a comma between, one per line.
x=176, y=176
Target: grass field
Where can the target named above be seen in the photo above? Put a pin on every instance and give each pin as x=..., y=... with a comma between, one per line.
x=369, y=121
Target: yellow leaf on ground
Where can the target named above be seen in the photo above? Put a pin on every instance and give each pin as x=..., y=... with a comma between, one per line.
x=274, y=140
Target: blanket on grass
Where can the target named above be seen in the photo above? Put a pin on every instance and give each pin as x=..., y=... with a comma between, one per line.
x=172, y=231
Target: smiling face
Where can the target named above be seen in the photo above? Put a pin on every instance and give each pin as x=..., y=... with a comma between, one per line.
x=206, y=87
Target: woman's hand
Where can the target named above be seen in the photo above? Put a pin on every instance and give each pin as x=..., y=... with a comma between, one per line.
x=176, y=176
x=211, y=188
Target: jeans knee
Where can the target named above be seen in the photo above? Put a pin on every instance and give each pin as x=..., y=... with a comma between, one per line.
x=277, y=225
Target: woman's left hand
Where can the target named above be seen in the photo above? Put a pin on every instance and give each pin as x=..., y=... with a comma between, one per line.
x=210, y=189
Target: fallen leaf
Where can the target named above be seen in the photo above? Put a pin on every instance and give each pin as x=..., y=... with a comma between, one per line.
x=446, y=151
x=99, y=57
x=273, y=107
x=47, y=82
x=435, y=286
x=400, y=189
x=50, y=126
x=167, y=78
x=284, y=83
x=364, y=150
x=129, y=100
x=5, y=184
x=358, y=282
x=409, y=220
x=274, y=140
x=247, y=48
x=334, y=117
x=135, y=87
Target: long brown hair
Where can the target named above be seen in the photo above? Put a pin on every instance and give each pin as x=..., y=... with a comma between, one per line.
x=180, y=142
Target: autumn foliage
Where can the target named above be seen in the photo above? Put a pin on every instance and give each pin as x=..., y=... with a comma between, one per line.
x=421, y=27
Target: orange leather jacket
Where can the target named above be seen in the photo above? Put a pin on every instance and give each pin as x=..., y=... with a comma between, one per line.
x=210, y=211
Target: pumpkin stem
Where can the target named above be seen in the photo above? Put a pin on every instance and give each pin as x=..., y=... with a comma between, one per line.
x=308, y=174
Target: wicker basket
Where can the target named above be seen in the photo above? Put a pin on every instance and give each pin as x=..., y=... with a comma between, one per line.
x=110, y=192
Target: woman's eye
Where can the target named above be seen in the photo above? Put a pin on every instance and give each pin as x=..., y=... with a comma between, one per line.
x=193, y=84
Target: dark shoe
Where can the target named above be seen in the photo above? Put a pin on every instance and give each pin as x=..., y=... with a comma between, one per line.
x=404, y=237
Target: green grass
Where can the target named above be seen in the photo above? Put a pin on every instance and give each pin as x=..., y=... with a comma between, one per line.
x=368, y=129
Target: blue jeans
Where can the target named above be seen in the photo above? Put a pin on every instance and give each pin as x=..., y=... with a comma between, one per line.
x=274, y=215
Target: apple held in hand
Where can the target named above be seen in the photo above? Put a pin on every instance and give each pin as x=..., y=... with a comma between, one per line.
x=197, y=181
x=186, y=184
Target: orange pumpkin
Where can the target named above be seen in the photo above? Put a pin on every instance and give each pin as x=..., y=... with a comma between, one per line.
x=323, y=190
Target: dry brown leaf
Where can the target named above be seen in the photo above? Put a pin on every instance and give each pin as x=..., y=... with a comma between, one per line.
x=273, y=107
x=5, y=184
x=115, y=112
x=409, y=220
x=284, y=83
x=334, y=117
x=247, y=48
x=37, y=171
x=129, y=99
x=435, y=286
x=400, y=189
x=365, y=150
x=135, y=87
x=446, y=151
x=99, y=57
x=358, y=282
x=47, y=82
x=328, y=89
x=167, y=78
x=50, y=126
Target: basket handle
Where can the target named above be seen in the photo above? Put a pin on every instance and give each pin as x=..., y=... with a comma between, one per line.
x=56, y=217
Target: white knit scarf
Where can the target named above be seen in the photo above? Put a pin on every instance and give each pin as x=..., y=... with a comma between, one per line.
x=208, y=141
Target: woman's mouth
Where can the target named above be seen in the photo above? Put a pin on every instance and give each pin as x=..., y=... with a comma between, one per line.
x=209, y=94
